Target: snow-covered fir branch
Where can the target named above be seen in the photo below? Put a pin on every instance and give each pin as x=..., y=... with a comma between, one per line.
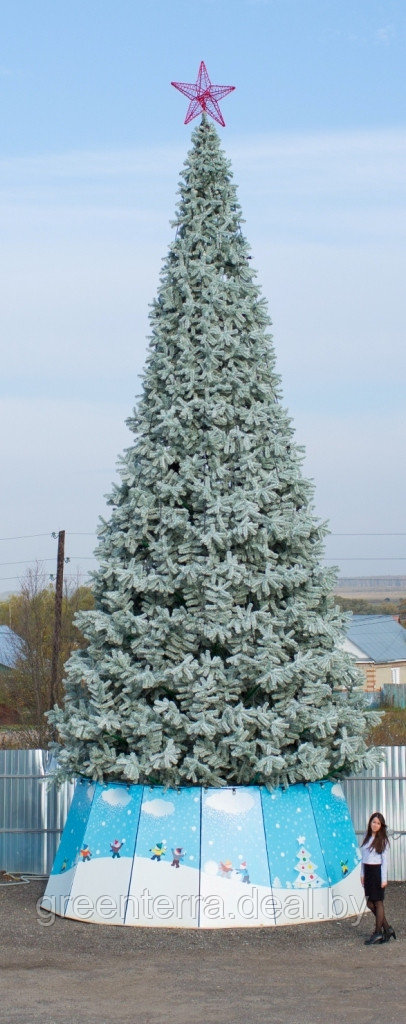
x=214, y=651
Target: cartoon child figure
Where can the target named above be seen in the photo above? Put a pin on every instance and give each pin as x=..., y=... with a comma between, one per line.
x=243, y=870
x=158, y=851
x=178, y=854
x=116, y=847
x=85, y=853
x=225, y=869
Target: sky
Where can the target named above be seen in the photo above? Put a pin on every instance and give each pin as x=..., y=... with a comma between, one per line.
x=92, y=144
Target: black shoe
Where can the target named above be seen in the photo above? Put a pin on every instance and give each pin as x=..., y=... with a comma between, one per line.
x=374, y=939
x=390, y=934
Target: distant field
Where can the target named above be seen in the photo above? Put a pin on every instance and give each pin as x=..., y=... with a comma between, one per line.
x=371, y=595
x=372, y=588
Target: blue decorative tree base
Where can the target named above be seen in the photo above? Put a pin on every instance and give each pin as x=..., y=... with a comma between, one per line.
x=209, y=858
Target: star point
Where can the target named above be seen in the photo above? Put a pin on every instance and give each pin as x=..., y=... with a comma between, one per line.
x=203, y=96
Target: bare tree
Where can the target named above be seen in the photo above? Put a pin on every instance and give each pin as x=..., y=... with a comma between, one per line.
x=30, y=615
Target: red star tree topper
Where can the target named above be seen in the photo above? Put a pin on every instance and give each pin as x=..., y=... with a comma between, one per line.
x=203, y=96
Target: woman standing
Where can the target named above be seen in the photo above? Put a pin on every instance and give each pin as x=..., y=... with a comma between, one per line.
x=374, y=876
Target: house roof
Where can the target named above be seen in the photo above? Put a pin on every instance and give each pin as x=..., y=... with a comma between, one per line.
x=9, y=647
x=379, y=637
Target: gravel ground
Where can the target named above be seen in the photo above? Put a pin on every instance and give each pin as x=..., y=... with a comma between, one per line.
x=73, y=973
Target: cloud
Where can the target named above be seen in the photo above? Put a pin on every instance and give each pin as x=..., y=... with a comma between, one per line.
x=230, y=801
x=337, y=791
x=158, y=808
x=116, y=797
x=385, y=34
x=333, y=186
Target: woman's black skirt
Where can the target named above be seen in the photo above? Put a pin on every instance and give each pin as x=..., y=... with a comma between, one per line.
x=372, y=882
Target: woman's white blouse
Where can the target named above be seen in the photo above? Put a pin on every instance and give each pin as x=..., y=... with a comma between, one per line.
x=370, y=856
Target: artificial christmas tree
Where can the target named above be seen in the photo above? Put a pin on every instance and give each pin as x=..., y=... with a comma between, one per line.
x=214, y=653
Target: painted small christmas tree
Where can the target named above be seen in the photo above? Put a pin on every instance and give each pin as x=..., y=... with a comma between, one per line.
x=214, y=652
x=307, y=878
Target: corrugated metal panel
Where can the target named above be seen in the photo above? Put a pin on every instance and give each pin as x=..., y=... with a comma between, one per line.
x=32, y=816
x=378, y=636
x=383, y=789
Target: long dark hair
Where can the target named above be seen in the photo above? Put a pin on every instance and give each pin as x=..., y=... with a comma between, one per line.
x=380, y=840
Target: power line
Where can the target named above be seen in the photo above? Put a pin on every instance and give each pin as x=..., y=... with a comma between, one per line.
x=8, y=579
x=328, y=558
x=372, y=558
x=29, y=561
x=27, y=536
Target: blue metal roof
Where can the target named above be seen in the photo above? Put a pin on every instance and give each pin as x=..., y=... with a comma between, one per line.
x=10, y=645
x=378, y=636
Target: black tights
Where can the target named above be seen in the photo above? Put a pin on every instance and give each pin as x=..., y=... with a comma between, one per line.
x=379, y=914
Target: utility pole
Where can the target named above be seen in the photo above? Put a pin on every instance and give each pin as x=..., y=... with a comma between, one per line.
x=56, y=647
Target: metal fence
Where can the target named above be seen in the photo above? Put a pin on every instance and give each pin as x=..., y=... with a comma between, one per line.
x=32, y=814
x=393, y=695
x=383, y=789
